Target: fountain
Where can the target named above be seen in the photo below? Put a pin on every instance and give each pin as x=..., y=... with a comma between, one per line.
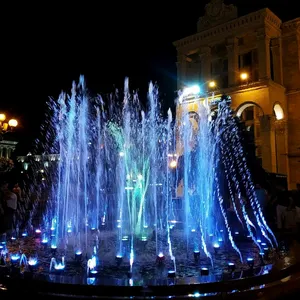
x=112, y=205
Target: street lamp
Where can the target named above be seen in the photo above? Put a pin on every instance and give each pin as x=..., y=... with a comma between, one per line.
x=212, y=84
x=244, y=76
x=7, y=126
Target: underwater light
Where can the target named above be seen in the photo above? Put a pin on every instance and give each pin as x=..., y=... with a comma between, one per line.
x=266, y=253
x=216, y=247
x=204, y=271
x=171, y=274
x=32, y=263
x=53, y=249
x=78, y=255
x=119, y=260
x=160, y=258
x=250, y=262
x=196, y=255
x=231, y=266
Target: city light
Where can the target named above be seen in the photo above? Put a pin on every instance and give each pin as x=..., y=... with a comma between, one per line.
x=212, y=84
x=278, y=111
x=7, y=126
x=244, y=76
x=173, y=164
x=188, y=91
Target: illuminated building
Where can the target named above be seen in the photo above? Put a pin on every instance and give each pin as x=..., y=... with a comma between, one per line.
x=255, y=59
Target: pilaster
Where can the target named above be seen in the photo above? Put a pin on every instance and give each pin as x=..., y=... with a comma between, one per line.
x=263, y=47
x=233, y=61
x=181, y=70
x=205, y=56
x=277, y=60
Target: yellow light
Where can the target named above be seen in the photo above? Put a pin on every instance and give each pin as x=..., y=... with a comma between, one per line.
x=13, y=123
x=244, y=76
x=2, y=117
x=173, y=164
x=212, y=84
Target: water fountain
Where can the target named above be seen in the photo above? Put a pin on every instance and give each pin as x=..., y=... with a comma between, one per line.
x=111, y=206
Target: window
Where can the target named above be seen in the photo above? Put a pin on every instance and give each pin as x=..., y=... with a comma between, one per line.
x=248, y=62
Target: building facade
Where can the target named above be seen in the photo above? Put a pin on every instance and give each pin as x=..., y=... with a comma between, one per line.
x=255, y=59
x=7, y=148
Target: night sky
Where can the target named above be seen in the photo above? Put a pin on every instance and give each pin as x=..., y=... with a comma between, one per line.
x=46, y=47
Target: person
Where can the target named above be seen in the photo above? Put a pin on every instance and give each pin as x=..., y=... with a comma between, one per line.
x=297, y=206
x=11, y=201
x=283, y=205
x=2, y=209
x=261, y=195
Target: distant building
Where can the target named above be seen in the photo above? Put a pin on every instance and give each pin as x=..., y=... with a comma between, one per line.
x=7, y=148
x=256, y=60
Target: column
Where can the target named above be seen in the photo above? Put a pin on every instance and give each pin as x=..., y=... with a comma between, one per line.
x=268, y=149
x=205, y=57
x=233, y=61
x=181, y=70
x=280, y=127
x=263, y=49
x=277, y=59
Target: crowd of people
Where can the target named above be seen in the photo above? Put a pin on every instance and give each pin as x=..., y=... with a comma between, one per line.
x=13, y=205
x=281, y=208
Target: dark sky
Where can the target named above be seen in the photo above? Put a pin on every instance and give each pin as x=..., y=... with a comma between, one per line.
x=46, y=47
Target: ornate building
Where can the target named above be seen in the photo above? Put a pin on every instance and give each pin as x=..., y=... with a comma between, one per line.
x=7, y=148
x=256, y=60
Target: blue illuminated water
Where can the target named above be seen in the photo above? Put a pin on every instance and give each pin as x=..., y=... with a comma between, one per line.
x=115, y=187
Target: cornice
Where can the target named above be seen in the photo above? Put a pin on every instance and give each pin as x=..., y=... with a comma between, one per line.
x=263, y=17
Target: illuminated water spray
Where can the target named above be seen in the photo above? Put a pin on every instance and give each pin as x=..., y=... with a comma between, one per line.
x=114, y=177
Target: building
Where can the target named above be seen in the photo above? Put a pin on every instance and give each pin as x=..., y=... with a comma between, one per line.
x=7, y=148
x=255, y=59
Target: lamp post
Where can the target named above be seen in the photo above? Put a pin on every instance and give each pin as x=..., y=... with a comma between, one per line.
x=6, y=126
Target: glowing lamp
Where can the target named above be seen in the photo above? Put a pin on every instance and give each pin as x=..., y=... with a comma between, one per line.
x=266, y=253
x=250, y=262
x=160, y=258
x=119, y=260
x=231, y=266
x=171, y=274
x=173, y=164
x=196, y=255
x=2, y=117
x=216, y=247
x=244, y=76
x=15, y=258
x=13, y=123
x=204, y=271
x=212, y=84
x=32, y=264
x=53, y=249
x=38, y=232
x=78, y=256
x=188, y=91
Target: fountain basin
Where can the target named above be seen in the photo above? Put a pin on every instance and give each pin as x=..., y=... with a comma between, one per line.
x=250, y=286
